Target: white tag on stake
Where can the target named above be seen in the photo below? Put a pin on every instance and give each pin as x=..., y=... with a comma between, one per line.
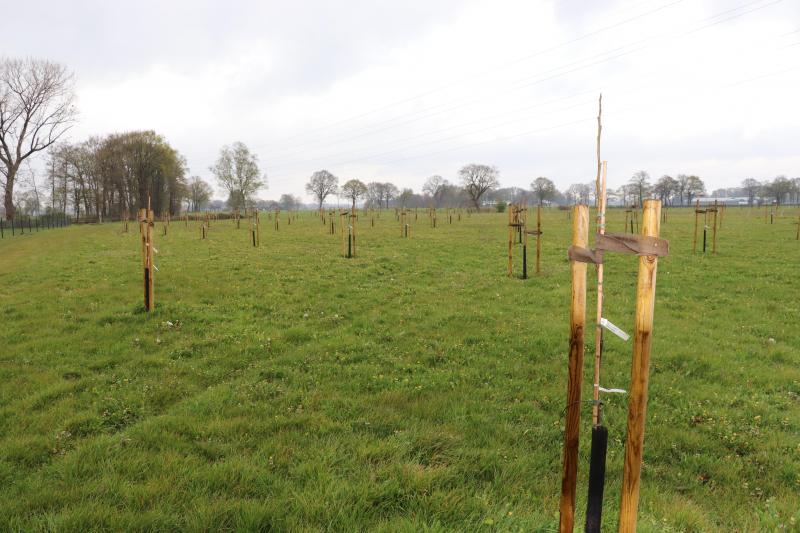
x=614, y=391
x=614, y=329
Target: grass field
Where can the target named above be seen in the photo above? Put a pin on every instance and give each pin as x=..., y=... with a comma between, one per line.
x=414, y=388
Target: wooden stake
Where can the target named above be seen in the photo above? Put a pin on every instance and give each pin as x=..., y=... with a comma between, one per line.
x=525, y=244
x=640, y=373
x=580, y=237
x=510, y=238
x=149, y=271
x=696, y=214
x=598, y=332
x=714, y=237
x=538, y=235
x=353, y=221
x=798, y=229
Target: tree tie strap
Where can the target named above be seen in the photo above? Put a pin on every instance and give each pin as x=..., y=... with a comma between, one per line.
x=620, y=242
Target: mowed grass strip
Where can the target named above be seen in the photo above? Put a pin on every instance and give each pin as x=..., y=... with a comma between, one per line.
x=413, y=388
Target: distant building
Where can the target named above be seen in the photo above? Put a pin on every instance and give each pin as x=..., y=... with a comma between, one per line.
x=727, y=200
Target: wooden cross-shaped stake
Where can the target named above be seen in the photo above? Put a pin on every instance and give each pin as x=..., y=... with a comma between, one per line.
x=146, y=224
x=538, y=233
x=405, y=230
x=517, y=224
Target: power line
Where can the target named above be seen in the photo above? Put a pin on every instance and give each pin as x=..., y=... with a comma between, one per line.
x=579, y=121
x=631, y=48
x=514, y=62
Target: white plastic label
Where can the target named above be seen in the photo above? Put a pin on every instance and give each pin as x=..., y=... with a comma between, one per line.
x=614, y=329
x=614, y=391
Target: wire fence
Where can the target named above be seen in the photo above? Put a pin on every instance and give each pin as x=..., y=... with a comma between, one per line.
x=22, y=225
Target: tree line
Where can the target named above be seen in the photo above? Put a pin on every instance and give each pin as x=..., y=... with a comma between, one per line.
x=109, y=176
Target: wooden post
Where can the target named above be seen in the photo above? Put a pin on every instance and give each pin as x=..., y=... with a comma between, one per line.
x=580, y=237
x=538, y=235
x=143, y=233
x=714, y=233
x=798, y=229
x=353, y=223
x=510, y=238
x=525, y=244
x=640, y=372
x=696, y=214
x=342, y=224
x=149, y=296
x=145, y=262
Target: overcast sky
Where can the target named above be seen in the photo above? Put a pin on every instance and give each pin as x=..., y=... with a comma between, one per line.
x=400, y=90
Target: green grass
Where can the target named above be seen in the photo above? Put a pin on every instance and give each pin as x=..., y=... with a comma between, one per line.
x=414, y=388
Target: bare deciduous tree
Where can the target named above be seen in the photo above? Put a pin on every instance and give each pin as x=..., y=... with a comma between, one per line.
x=435, y=187
x=665, y=188
x=641, y=185
x=36, y=109
x=237, y=170
x=694, y=187
x=321, y=185
x=543, y=188
x=199, y=193
x=390, y=192
x=477, y=179
x=289, y=202
x=405, y=197
x=354, y=189
x=779, y=188
x=751, y=186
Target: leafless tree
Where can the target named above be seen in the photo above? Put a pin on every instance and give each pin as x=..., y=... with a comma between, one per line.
x=694, y=187
x=289, y=202
x=390, y=192
x=779, y=188
x=36, y=108
x=321, y=185
x=236, y=169
x=751, y=186
x=435, y=187
x=477, y=179
x=405, y=197
x=665, y=188
x=641, y=185
x=543, y=188
x=199, y=193
x=354, y=189
x=375, y=194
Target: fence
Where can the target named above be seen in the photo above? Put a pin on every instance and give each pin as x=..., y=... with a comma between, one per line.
x=22, y=225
